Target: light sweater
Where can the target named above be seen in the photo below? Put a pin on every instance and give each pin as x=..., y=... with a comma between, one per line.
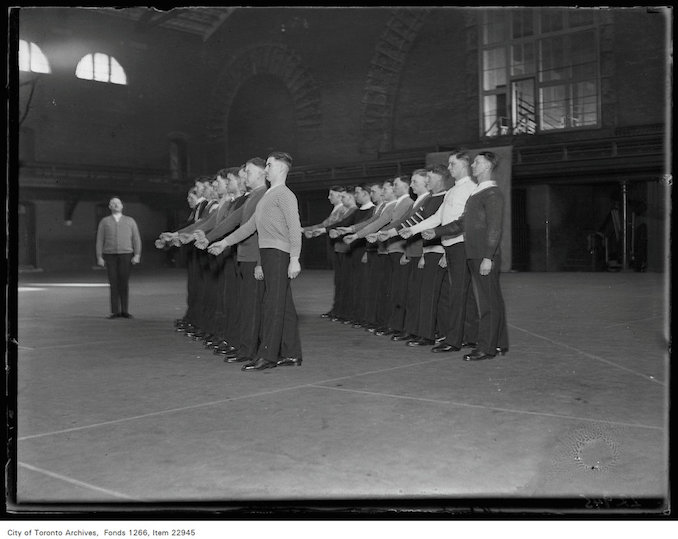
x=118, y=237
x=276, y=220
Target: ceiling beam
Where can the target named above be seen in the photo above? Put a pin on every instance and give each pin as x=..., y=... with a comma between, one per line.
x=220, y=21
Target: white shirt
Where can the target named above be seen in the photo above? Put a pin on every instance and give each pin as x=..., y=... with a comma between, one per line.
x=117, y=217
x=367, y=206
x=484, y=185
x=450, y=210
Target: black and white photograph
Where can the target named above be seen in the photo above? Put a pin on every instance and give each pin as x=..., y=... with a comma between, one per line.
x=376, y=261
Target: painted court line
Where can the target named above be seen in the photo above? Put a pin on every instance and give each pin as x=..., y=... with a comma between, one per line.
x=78, y=483
x=592, y=356
x=215, y=403
x=496, y=408
x=633, y=321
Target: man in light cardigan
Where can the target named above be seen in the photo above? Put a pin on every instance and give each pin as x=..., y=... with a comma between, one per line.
x=276, y=221
x=118, y=246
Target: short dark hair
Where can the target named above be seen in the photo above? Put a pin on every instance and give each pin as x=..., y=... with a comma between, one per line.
x=441, y=170
x=233, y=170
x=282, y=156
x=404, y=178
x=349, y=189
x=389, y=181
x=420, y=172
x=257, y=162
x=491, y=157
x=462, y=155
x=203, y=179
x=223, y=172
x=365, y=186
x=336, y=188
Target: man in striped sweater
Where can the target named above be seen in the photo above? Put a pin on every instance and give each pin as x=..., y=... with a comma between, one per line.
x=276, y=221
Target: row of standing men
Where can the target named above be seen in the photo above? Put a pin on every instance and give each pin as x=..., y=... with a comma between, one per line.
x=418, y=258
x=242, y=243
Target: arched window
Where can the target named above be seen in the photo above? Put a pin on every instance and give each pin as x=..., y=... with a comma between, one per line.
x=100, y=67
x=32, y=59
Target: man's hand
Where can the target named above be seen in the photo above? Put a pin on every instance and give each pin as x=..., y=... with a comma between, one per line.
x=318, y=231
x=293, y=269
x=185, y=237
x=350, y=238
x=160, y=243
x=372, y=238
x=364, y=258
x=334, y=233
x=386, y=234
x=428, y=234
x=422, y=263
x=176, y=242
x=167, y=236
x=202, y=243
x=100, y=261
x=308, y=233
x=217, y=247
x=258, y=273
x=199, y=235
x=136, y=259
x=344, y=229
x=485, y=266
x=443, y=261
x=404, y=260
x=406, y=233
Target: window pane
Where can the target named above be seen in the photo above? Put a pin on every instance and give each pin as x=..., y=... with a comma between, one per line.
x=522, y=59
x=583, y=54
x=85, y=69
x=117, y=73
x=101, y=70
x=494, y=68
x=522, y=22
x=553, y=65
x=39, y=62
x=553, y=107
x=581, y=17
x=495, y=121
x=584, y=104
x=552, y=20
x=494, y=29
x=24, y=56
x=523, y=107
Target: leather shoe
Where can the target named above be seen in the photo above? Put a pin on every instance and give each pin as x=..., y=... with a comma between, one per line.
x=259, y=364
x=502, y=351
x=357, y=325
x=112, y=316
x=227, y=350
x=289, y=362
x=477, y=355
x=442, y=347
x=402, y=337
x=440, y=339
x=327, y=315
x=421, y=342
x=238, y=359
x=384, y=331
x=126, y=315
x=469, y=344
x=347, y=322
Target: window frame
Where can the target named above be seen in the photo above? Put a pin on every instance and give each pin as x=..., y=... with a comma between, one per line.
x=111, y=62
x=535, y=39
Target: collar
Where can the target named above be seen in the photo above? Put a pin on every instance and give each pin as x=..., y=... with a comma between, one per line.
x=389, y=203
x=484, y=185
x=367, y=205
x=441, y=194
x=403, y=197
x=420, y=197
x=200, y=200
x=117, y=217
x=463, y=180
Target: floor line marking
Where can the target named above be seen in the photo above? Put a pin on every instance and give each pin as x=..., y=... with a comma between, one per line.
x=78, y=483
x=633, y=321
x=497, y=408
x=592, y=356
x=215, y=403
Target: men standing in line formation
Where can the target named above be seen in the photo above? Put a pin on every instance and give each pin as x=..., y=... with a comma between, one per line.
x=429, y=252
x=245, y=307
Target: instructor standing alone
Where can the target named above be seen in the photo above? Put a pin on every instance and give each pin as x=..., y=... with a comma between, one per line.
x=118, y=246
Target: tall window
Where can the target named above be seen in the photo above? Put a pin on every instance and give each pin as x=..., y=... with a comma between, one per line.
x=539, y=70
x=32, y=59
x=100, y=67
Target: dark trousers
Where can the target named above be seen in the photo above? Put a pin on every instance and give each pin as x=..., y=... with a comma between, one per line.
x=432, y=279
x=492, y=332
x=119, y=268
x=249, y=299
x=231, y=308
x=210, y=295
x=463, y=321
x=414, y=284
x=357, y=281
x=342, y=291
x=219, y=324
x=399, y=275
x=336, y=263
x=372, y=279
x=383, y=290
x=279, y=334
x=444, y=308
x=191, y=279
